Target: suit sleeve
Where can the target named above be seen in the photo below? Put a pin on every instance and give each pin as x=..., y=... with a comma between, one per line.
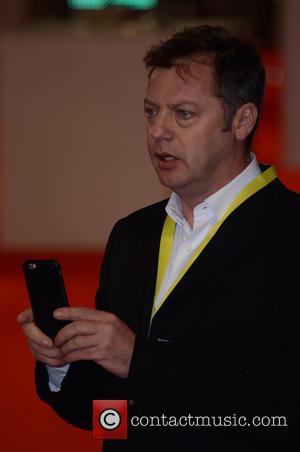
x=85, y=381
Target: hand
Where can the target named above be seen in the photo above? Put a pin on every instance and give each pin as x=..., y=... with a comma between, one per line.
x=40, y=345
x=96, y=335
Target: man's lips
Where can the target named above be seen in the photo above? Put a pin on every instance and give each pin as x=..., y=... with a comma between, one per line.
x=165, y=157
x=166, y=161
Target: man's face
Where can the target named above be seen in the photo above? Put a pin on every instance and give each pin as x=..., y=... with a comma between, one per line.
x=187, y=147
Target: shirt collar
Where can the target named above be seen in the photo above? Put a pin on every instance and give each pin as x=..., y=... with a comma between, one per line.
x=219, y=201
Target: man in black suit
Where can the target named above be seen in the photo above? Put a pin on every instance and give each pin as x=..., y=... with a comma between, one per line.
x=199, y=295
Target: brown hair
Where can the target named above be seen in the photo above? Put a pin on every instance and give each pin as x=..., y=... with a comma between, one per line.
x=238, y=73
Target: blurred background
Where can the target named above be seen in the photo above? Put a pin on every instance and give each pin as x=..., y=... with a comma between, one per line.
x=73, y=157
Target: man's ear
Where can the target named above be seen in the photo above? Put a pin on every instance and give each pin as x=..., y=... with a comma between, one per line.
x=244, y=121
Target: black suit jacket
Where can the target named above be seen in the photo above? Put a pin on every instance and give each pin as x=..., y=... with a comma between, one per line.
x=230, y=328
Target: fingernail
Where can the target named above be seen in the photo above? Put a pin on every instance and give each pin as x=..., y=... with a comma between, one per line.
x=46, y=343
x=58, y=313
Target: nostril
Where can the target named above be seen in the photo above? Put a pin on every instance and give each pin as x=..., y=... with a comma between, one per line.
x=159, y=133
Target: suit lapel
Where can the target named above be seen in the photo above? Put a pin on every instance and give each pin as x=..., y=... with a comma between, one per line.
x=147, y=261
x=237, y=231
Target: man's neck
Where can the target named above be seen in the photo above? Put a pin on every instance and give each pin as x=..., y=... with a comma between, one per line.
x=188, y=203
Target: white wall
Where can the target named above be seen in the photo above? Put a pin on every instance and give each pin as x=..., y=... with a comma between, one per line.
x=73, y=140
x=73, y=157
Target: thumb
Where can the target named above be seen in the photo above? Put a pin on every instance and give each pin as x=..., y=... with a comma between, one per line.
x=25, y=316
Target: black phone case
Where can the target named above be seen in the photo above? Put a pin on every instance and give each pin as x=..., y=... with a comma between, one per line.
x=47, y=292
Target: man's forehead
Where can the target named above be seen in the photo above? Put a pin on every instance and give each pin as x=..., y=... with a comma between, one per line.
x=186, y=77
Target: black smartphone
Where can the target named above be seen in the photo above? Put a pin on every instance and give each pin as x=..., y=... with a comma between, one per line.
x=47, y=292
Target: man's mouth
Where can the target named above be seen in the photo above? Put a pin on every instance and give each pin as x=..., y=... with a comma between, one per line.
x=166, y=157
x=166, y=162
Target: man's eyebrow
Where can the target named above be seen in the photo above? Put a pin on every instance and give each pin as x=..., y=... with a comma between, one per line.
x=178, y=104
x=148, y=101
x=184, y=102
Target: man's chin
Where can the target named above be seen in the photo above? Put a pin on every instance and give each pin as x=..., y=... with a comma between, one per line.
x=171, y=184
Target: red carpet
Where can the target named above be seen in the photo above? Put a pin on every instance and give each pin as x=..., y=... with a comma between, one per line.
x=27, y=424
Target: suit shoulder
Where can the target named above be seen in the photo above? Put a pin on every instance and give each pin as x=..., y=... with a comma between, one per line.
x=146, y=213
x=143, y=218
x=290, y=200
x=287, y=215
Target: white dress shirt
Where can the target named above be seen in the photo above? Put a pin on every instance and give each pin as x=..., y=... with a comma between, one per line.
x=186, y=239
x=206, y=214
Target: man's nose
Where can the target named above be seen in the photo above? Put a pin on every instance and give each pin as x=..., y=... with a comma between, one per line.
x=161, y=127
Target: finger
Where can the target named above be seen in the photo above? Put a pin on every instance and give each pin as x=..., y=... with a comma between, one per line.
x=53, y=352
x=79, y=343
x=87, y=354
x=36, y=335
x=80, y=314
x=77, y=328
x=25, y=316
x=54, y=362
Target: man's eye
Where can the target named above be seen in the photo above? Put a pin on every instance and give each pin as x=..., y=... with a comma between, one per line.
x=185, y=114
x=149, y=112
